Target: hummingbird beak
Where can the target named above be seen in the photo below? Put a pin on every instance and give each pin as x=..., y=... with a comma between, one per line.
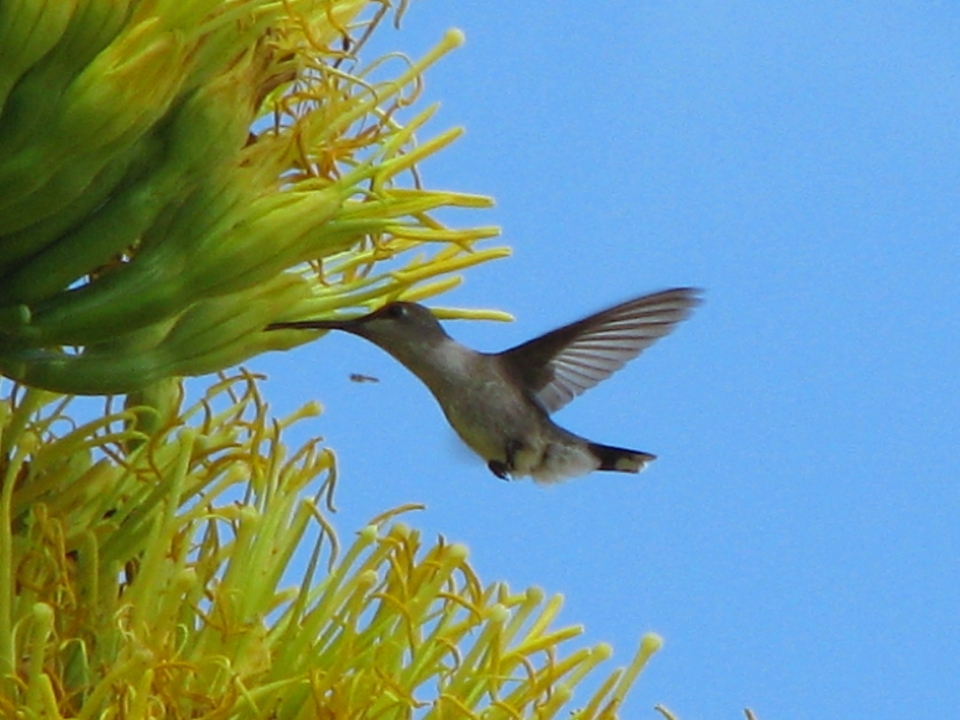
x=351, y=325
x=346, y=325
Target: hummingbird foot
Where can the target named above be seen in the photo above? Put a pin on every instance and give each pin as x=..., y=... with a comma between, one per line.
x=504, y=469
x=500, y=469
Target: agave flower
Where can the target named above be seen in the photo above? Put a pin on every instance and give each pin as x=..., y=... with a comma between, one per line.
x=174, y=175
x=145, y=569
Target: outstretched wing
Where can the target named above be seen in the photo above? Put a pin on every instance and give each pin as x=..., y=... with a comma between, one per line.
x=562, y=364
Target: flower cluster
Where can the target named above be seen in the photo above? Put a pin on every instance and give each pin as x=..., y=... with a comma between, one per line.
x=144, y=571
x=175, y=175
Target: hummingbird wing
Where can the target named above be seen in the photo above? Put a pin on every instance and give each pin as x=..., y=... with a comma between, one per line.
x=560, y=365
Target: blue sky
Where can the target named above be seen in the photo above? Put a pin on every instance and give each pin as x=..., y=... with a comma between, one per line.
x=797, y=544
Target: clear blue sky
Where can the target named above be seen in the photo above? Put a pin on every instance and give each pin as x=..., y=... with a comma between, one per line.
x=797, y=544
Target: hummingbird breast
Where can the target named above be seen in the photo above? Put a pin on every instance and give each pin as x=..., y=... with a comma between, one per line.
x=486, y=409
x=496, y=418
x=500, y=422
x=490, y=416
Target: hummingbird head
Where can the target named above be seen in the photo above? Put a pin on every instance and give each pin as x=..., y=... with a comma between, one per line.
x=397, y=324
x=405, y=330
x=395, y=327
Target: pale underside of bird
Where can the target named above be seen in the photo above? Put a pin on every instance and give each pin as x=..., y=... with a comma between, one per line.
x=500, y=403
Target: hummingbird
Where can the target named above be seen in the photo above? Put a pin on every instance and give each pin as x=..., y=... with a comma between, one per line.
x=500, y=403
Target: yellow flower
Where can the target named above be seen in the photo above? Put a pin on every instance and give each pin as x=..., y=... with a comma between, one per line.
x=144, y=570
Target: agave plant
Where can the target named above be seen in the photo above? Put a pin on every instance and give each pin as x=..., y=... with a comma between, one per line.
x=174, y=176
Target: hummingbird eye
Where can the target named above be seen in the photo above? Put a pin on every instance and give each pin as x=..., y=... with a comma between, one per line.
x=396, y=311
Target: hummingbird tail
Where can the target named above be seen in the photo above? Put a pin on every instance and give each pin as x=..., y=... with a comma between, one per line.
x=620, y=459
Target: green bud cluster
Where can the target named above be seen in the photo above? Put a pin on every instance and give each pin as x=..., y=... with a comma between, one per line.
x=175, y=175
